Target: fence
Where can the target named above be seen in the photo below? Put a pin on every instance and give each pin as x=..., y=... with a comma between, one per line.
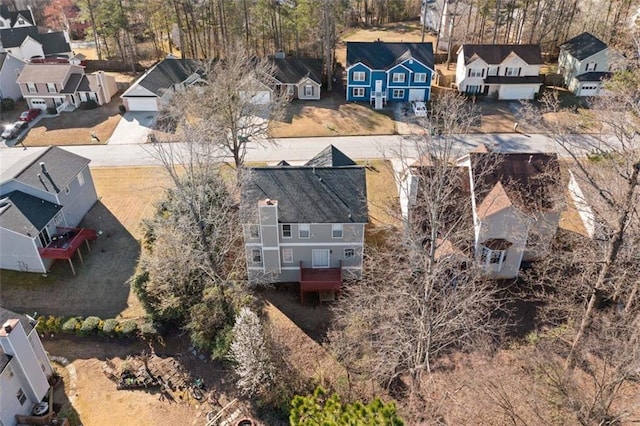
x=113, y=66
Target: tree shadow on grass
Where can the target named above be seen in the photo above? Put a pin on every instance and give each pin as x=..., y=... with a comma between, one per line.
x=100, y=286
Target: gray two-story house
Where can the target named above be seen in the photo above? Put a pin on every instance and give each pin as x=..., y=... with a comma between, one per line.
x=584, y=62
x=305, y=223
x=43, y=197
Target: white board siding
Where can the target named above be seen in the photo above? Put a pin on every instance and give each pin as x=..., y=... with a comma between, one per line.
x=142, y=104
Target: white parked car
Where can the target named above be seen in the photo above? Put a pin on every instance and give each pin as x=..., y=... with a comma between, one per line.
x=419, y=108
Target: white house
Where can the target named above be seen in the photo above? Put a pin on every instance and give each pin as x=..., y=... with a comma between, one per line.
x=16, y=19
x=584, y=62
x=504, y=71
x=24, y=368
x=10, y=68
x=27, y=43
x=301, y=78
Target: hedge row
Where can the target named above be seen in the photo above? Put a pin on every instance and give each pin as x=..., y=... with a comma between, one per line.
x=94, y=326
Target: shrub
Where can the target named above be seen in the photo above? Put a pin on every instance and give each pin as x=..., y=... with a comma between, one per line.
x=148, y=329
x=128, y=328
x=109, y=326
x=49, y=324
x=122, y=109
x=89, y=326
x=71, y=325
x=8, y=104
x=52, y=111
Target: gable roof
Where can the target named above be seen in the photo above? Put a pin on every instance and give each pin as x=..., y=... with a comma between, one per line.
x=583, y=46
x=494, y=54
x=13, y=37
x=52, y=43
x=25, y=214
x=497, y=199
x=379, y=55
x=291, y=70
x=330, y=157
x=166, y=73
x=5, y=13
x=5, y=315
x=61, y=165
x=47, y=73
x=531, y=181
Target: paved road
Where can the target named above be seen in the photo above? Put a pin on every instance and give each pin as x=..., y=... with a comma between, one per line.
x=301, y=149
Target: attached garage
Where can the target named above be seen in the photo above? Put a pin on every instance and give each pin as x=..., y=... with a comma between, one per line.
x=511, y=92
x=589, y=89
x=38, y=104
x=416, y=95
x=142, y=103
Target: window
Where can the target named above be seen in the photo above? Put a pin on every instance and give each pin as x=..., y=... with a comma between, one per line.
x=287, y=255
x=358, y=92
x=474, y=88
x=254, y=232
x=308, y=90
x=44, y=237
x=81, y=178
x=398, y=77
x=304, y=230
x=51, y=88
x=290, y=90
x=31, y=87
x=420, y=77
x=493, y=70
x=336, y=230
x=320, y=258
x=493, y=257
x=358, y=76
x=476, y=72
x=512, y=72
x=349, y=253
x=286, y=231
x=21, y=396
x=20, y=21
x=256, y=255
x=398, y=93
x=591, y=66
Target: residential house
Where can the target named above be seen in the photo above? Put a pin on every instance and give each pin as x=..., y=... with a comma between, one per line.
x=16, y=19
x=43, y=197
x=379, y=72
x=10, y=68
x=27, y=43
x=584, y=62
x=24, y=367
x=301, y=78
x=64, y=86
x=504, y=71
x=513, y=204
x=305, y=223
x=156, y=86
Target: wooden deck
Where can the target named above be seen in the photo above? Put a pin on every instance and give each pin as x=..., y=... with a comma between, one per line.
x=319, y=279
x=66, y=243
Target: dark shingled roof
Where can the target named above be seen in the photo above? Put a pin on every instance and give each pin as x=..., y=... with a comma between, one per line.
x=53, y=43
x=494, y=54
x=378, y=55
x=307, y=194
x=167, y=73
x=583, y=46
x=26, y=214
x=5, y=315
x=330, y=157
x=72, y=83
x=291, y=70
x=595, y=76
x=84, y=85
x=61, y=165
x=13, y=16
x=530, y=180
x=501, y=79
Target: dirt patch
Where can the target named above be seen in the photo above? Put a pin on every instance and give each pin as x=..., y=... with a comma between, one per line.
x=332, y=116
x=76, y=127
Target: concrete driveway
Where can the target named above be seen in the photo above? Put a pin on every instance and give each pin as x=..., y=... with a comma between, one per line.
x=134, y=127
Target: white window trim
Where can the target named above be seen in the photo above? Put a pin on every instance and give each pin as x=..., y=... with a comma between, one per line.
x=358, y=92
x=398, y=93
x=287, y=255
x=591, y=66
x=398, y=77
x=310, y=92
x=355, y=76
x=304, y=227
x=290, y=231
x=349, y=250
x=81, y=178
x=511, y=71
x=255, y=251
x=337, y=227
x=488, y=255
x=51, y=88
x=31, y=88
x=313, y=265
x=475, y=72
x=420, y=77
x=252, y=235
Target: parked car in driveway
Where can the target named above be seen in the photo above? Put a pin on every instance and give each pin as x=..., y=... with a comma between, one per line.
x=14, y=129
x=419, y=108
x=30, y=115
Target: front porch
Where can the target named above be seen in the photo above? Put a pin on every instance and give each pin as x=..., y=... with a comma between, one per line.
x=66, y=243
x=320, y=280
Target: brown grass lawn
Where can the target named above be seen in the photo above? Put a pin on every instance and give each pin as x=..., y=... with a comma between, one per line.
x=74, y=128
x=101, y=285
x=332, y=116
x=382, y=194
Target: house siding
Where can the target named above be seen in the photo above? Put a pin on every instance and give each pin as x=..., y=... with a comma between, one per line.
x=19, y=253
x=80, y=199
x=8, y=86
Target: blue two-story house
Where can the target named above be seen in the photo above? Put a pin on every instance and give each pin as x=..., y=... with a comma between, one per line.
x=380, y=72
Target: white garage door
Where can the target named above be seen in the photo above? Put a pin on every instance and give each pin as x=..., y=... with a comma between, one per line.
x=516, y=92
x=38, y=104
x=261, y=97
x=416, y=95
x=142, y=104
x=589, y=89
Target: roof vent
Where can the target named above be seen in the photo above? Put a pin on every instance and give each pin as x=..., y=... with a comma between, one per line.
x=7, y=327
x=5, y=203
